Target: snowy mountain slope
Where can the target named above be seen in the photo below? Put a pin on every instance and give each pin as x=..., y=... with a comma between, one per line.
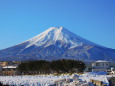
x=57, y=43
x=56, y=35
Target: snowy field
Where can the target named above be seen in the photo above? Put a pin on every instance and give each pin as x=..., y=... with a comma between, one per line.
x=30, y=80
x=99, y=76
x=49, y=80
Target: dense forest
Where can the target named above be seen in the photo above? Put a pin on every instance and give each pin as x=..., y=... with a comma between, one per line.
x=50, y=67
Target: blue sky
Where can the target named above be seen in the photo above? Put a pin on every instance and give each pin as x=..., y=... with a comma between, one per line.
x=93, y=20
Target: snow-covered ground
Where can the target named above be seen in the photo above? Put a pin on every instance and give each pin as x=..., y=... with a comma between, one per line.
x=87, y=78
x=49, y=80
x=30, y=80
x=99, y=76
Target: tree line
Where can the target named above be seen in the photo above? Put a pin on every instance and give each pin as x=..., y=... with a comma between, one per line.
x=48, y=67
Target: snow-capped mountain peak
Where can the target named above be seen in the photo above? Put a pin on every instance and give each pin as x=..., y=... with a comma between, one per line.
x=57, y=43
x=57, y=36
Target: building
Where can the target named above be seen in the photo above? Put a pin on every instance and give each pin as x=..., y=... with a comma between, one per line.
x=100, y=65
x=9, y=70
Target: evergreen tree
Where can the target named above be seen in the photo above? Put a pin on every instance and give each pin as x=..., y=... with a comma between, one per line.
x=55, y=66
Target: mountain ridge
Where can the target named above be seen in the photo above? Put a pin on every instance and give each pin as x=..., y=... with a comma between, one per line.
x=57, y=43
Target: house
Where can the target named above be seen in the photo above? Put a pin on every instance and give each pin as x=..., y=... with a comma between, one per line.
x=100, y=65
x=9, y=70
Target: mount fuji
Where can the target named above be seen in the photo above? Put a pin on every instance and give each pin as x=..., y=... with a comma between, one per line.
x=57, y=43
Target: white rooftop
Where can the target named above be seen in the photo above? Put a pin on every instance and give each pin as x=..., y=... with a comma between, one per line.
x=10, y=67
x=101, y=61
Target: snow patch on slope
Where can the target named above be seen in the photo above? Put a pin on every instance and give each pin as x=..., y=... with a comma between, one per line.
x=57, y=34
